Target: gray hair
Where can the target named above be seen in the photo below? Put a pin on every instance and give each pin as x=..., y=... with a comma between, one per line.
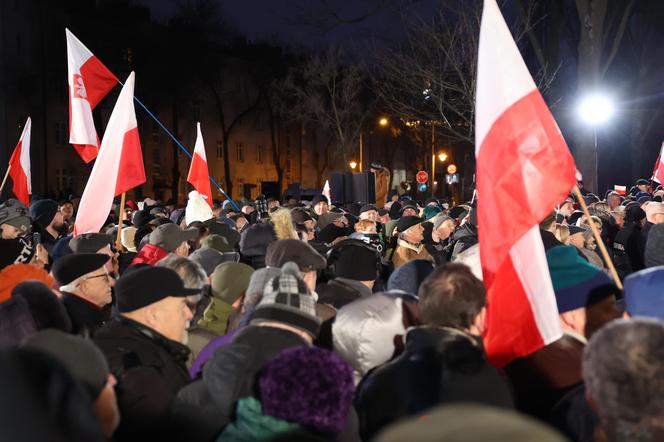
x=192, y=274
x=623, y=369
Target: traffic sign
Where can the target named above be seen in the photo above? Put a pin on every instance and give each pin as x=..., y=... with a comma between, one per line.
x=451, y=168
x=422, y=177
x=452, y=178
x=422, y=187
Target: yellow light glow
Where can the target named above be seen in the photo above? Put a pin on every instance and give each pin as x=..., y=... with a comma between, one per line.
x=353, y=164
x=442, y=156
x=383, y=121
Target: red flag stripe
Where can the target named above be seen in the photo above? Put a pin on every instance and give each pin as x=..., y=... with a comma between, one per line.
x=131, y=171
x=98, y=79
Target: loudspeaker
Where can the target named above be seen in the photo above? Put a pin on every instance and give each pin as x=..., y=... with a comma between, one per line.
x=337, y=187
x=364, y=187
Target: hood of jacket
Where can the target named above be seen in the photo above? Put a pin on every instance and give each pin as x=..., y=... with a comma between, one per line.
x=364, y=330
x=149, y=254
x=465, y=231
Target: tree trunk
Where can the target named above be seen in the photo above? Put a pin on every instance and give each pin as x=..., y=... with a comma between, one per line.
x=175, y=182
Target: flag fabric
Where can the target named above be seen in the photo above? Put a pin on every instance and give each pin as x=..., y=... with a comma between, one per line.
x=198, y=171
x=658, y=172
x=89, y=81
x=620, y=190
x=524, y=169
x=327, y=192
x=19, y=166
x=119, y=165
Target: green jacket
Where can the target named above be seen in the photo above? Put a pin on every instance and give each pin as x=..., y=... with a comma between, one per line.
x=252, y=425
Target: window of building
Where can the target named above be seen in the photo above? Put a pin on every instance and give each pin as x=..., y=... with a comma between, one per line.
x=240, y=152
x=61, y=135
x=259, y=153
x=220, y=149
x=63, y=180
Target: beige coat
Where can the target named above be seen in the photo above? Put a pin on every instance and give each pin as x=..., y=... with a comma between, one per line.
x=406, y=251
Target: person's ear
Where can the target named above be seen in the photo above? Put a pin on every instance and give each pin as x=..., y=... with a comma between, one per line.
x=480, y=321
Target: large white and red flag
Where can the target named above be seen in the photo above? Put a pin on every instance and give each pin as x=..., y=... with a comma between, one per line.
x=198, y=171
x=119, y=165
x=19, y=166
x=524, y=169
x=89, y=81
x=658, y=172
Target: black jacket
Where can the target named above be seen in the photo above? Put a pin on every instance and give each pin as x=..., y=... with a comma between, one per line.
x=337, y=293
x=438, y=366
x=150, y=370
x=463, y=238
x=228, y=376
x=629, y=250
x=85, y=317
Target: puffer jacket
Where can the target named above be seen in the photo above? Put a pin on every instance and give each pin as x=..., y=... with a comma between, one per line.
x=149, y=254
x=254, y=242
x=364, y=330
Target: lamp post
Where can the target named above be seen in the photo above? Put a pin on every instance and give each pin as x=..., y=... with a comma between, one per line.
x=353, y=165
x=595, y=110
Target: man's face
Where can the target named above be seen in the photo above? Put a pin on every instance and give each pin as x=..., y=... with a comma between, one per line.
x=247, y=210
x=576, y=240
x=58, y=221
x=11, y=232
x=415, y=234
x=240, y=223
x=599, y=314
x=321, y=207
x=172, y=318
x=384, y=219
x=445, y=229
x=341, y=222
x=409, y=211
x=67, y=211
x=183, y=249
x=658, y=217
x=566, y=209
x=310, y=224
x=614, y=201
x=96, y=287
x=643, y=188
x=395, y=198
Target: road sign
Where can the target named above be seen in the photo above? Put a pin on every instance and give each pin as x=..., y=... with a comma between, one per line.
x=422, y=187
x=452, y=178
x=422, y=177
x=451, y=168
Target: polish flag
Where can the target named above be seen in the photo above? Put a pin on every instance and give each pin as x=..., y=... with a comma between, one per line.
x=524, y=169
x=19, y=166
x=118, y=168
x=89, y=82
x=658, y=173
x=327, y=192
x=198, y=171
x=620, y=190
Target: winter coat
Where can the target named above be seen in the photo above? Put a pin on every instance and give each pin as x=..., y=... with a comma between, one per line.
x=541, y=379
x=406, y=251
x=438, y=366
x=229, y=376
x=629, y=250
x=339, y=292
x=464, y=237
x=254, y=242
x=150, y=370
x=85, y=317
x=252, y=425
x=149, y=254
x=364, y=332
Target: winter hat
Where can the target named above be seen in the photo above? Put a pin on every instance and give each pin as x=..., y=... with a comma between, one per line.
x=309, y=386
x=216, y=242
x=634, y=213
x=431, y=211
x=15, y=251
x=573, y=230
x=409, y=205
x=332, y=232
x=15, y=213
x=90, y=242
x=317, y=199
x=127, y=237
x=655, y=246
x=43, y=211
x=300, y=216
x=576, y=282
x=15, y=274
x=230, y=280
x=287, y=299
x=258, y=281
x=367, y=208
x=353, y=259
x=328, y=218
x=210, y=258
x=71, y=267
x=177, y=216
x=224, y=229
x=46, y=309
x=301, y=253
x=80, y=356
x=169, y=236
x=438, y=220
x=144, y=286
x=644, y=293
x=409, y=276
x=406, y=222
x=141, y=218
x=395, y=210
x=61, y=248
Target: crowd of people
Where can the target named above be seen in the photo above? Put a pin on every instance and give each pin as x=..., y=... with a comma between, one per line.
x=293, y=320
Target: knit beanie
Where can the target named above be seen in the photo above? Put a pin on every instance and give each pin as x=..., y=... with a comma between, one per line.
x=431, y=211
x=309, y=386
x=258, y=281
x=230, y=280
x=43, y=211
x=15, y=274
x=410, y=275
x=286, y=299
x=576, y=282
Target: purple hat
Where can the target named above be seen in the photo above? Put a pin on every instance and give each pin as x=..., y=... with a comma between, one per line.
x=309, y=386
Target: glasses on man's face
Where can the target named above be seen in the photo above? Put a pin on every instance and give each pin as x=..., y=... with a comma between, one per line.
x=104, y=275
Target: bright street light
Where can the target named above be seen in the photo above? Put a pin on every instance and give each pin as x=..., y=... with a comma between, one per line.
x=442, y=157
x=353, y=164
x=383, y=121
x=596, y=109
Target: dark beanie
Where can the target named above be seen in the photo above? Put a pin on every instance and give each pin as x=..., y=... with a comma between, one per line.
x=356, y=261
x=317, y=199
x=634, y=213
x=73, y=266
x=43, y=211
x=406, y=222
x=409, y=276
x=308, y=386
x=301, y=253
x=80, y=356
x=395, y=210
x=332, y=232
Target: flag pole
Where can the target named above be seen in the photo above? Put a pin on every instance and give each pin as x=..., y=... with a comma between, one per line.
x=598, y=238
x=4, y=180
x=118, y=240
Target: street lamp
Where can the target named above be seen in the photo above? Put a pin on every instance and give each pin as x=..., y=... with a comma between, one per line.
x=353, y=164
x=442, y=157
x=383, y=121
x=595, y=110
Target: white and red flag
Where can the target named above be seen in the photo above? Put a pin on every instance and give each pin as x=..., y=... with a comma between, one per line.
x=327, y=192
x=198, y=171
x=524, y=169
x=89, y=81
x=658, y=172
x=19, y=166
x=119, y=165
